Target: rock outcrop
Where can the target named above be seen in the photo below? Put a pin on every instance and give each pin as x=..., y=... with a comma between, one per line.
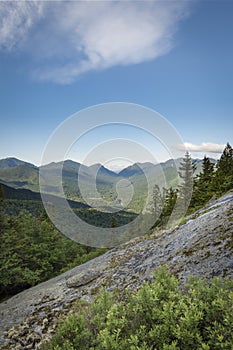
x=202, y=246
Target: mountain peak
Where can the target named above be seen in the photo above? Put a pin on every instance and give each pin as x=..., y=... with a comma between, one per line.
x=12, y=162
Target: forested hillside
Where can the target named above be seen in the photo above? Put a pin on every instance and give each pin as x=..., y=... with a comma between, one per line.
x=34, y=251
x=196, y=189
x=125, y=298
x=22, y=175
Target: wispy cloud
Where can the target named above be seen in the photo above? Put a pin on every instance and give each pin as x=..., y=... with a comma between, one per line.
x=66, y=39
x=207, y=147
x=16, y=19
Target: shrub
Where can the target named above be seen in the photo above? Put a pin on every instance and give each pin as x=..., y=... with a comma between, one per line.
x=160, y=315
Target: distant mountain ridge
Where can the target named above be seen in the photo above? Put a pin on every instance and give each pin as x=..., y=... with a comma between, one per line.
x=13, y=162
x=22, y=175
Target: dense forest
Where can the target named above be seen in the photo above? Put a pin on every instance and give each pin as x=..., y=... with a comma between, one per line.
x=32, y=249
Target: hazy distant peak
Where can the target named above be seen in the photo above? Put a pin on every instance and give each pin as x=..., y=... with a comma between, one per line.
x=101, y=169
x=12, y=162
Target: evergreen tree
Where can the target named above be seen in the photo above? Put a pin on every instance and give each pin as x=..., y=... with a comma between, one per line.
x=207, y=171
x=202, y=191
x=112, y=240
x=33, y=251
x=169, y=203
x=186, y=171
x=157, y=202
x=223, y=179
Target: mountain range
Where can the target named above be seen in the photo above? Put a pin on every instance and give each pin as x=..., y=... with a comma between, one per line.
x=18, y=174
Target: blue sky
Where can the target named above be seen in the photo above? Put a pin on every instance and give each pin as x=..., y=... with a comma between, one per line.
x=57, y=58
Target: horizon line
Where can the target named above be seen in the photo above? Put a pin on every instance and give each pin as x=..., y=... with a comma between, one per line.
x=113, y=169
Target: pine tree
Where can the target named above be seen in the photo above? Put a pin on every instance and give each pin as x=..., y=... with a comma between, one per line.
x=207, y=171
x=223, y=179
x=186, y=171
x=202, y=190
x=157, y=202
x=169, y=203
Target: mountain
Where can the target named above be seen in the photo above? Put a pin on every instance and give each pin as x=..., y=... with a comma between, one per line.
x=77, y=180
x=147, y=174
x=201, y=247
x=139, y=168
x=12, y=162
x=68, y=167
x=70, y=164
x=80, y=181
x=139, y=175
x=131, y=170
x=100, y=169
x=21, y=176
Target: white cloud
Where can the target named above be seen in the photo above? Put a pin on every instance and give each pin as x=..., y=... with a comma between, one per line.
x=16, y=19
x=207, y=147
x=66, y=39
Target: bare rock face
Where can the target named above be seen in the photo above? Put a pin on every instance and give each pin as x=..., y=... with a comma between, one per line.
x=202, y=247
x=83, y=278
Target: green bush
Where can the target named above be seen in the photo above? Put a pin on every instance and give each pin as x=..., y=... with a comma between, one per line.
x=161, y=315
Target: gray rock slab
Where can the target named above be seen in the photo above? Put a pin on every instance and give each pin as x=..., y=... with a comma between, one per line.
x=201, y=247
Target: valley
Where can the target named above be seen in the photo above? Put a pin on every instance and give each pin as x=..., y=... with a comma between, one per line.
x=25, y=176
x=53, y=269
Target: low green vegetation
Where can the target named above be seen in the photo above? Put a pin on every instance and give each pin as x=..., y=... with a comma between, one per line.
x=161, y=315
